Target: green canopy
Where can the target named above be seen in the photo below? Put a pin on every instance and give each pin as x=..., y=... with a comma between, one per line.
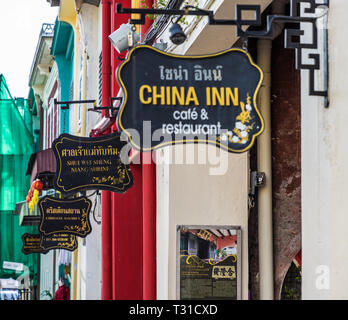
x=16, y=146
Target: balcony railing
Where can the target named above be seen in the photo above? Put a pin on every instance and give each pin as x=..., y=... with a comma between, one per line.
x=47, y=29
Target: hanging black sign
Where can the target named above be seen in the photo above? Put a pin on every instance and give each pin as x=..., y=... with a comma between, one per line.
x=90, y=163
x=176, y=99
x=31, y=244
x=65, y=241
x=39, y=243
x=65, y=215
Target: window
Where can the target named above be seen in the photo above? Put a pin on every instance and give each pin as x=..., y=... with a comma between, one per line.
x=52, y=122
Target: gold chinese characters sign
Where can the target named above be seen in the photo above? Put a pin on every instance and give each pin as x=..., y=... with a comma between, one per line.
x=90, y=163
x=209, y=263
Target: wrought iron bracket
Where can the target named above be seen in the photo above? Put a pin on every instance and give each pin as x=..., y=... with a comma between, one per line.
x=294, y=18
x=66, y=104
x=111, y=107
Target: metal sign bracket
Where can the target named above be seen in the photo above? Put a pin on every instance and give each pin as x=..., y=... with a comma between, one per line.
x=294, y=18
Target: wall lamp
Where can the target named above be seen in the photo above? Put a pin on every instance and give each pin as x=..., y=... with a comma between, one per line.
x=124, y=38
x=177, y=35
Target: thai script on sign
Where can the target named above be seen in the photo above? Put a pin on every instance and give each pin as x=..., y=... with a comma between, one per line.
x=182, y=74
x=63, y=210
x=95, y=151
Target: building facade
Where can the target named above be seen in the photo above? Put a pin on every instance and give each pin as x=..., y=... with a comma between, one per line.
x=291, y=223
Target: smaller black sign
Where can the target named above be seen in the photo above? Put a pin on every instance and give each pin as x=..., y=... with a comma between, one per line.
x=91, y=163
x=31, y=244
x=59, y=241
x=65, y=216
x=39, y=243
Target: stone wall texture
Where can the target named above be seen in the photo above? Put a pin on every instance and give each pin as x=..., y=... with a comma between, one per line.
x=286, y=159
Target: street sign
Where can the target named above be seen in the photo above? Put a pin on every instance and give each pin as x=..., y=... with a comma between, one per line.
x=13, y=265
x=31, y=244
x=176, y=99
x=39, y=243
x=65, y=216
x=90, y=163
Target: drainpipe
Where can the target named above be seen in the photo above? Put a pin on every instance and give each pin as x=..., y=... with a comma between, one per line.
x=149, y=206
x=264, y=156
x=106, y=252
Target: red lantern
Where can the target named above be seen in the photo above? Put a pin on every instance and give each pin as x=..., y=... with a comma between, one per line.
x=37, y=184
x=40, y=185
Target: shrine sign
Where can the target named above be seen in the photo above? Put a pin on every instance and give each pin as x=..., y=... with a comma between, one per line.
x=90, y=163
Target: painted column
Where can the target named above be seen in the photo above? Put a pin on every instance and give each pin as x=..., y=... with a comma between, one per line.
x=324, y=168
x=106, y=251
x=127, y=264
x=149, y=205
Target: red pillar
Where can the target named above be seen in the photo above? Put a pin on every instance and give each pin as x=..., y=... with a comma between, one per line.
x=127, y=241
x=149, y=227
x=127, y=251
x=106, y=276
x=149, y=207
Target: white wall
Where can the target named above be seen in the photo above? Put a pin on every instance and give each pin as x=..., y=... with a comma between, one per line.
x=90, y=250
x=325, y=172
x=90, y=247
x=188, y=194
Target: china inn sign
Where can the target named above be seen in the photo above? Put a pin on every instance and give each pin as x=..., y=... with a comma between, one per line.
x=171, y=99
